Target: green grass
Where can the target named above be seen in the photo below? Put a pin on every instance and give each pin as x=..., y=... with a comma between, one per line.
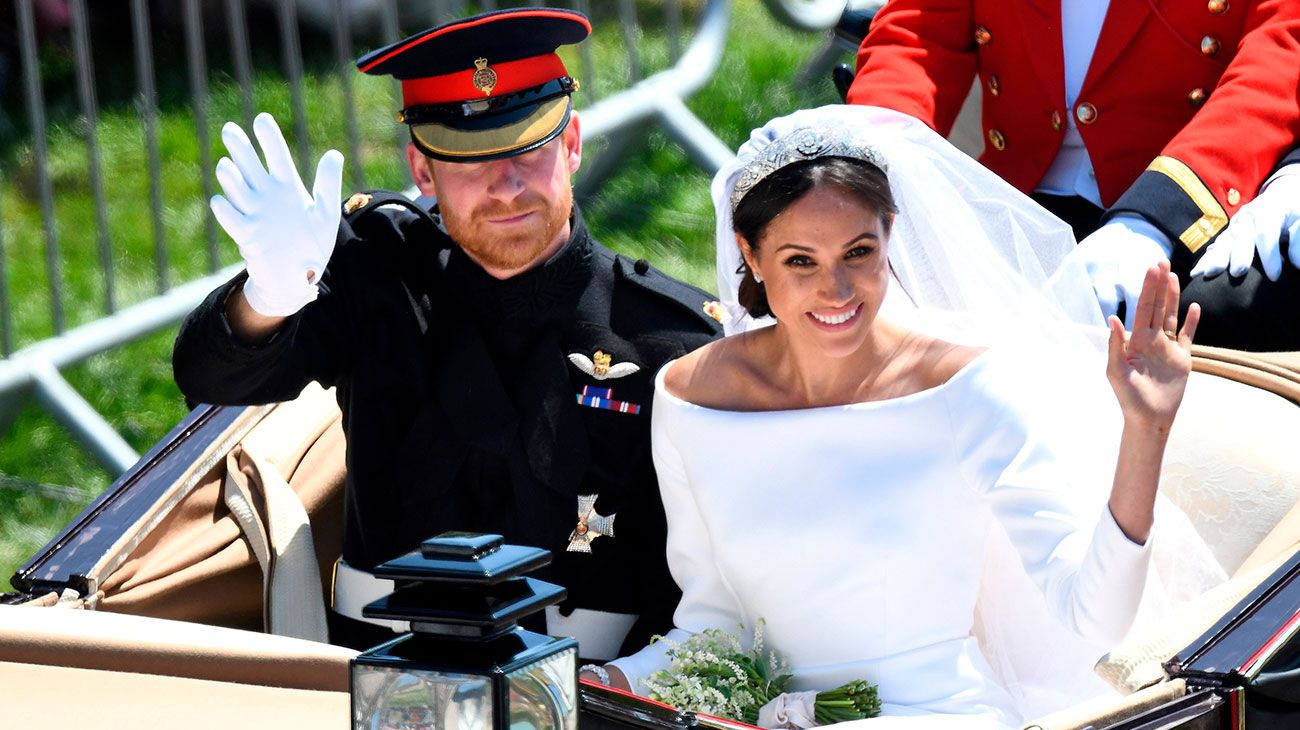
x=656, y=206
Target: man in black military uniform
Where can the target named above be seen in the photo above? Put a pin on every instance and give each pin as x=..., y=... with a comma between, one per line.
x=494, y=364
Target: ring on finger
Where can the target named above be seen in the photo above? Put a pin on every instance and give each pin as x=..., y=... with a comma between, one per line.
x=1171, y=334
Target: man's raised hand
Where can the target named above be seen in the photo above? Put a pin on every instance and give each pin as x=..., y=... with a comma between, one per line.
x=284, y=234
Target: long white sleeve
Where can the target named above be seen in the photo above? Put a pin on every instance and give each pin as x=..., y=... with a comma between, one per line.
x=1042, y=457
x=706, y=602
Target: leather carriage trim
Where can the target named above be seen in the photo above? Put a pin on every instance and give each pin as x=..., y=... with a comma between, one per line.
x=1213, y=218
x=1215, y=653
x=1278, y=641
x=119, y=551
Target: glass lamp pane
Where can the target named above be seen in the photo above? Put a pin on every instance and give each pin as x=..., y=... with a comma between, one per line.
x=384, y=698
x=543, y=695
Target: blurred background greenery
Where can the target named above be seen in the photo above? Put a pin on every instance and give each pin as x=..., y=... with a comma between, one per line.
x=655, y=206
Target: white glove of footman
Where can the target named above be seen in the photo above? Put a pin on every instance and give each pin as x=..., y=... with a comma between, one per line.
x=285, y=235
x=1117, y=257
x=1259, y=226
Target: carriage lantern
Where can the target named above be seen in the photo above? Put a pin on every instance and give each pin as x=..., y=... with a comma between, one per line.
x=466, y=664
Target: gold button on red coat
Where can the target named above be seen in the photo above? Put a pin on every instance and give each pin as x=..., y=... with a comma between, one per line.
x=994, y=87
x=1056, y=121
x=1196, y=97
x=1210, y=46
x=1217, y=7
x=1234, y=197
x=1086, y=113
x=996, y=139
x=983, y=36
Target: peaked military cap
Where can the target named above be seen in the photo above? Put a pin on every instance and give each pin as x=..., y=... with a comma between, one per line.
x=487, y=86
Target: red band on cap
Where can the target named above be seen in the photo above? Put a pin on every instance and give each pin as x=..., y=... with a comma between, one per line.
x=511, y=76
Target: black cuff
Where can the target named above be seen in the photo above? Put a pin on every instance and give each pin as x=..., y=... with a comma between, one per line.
x=1293, y=157
x=227, y=342
x=1173, y=198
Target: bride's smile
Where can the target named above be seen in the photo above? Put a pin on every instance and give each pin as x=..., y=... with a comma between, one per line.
x=836, y=321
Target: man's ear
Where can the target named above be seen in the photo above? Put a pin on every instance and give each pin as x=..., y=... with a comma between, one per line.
x=572, y=140
x=420, y=172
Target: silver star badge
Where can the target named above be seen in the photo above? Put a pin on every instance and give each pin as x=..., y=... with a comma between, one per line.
x=590, y=525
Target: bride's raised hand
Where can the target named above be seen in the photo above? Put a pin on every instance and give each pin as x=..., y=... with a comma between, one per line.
x=1148, y=367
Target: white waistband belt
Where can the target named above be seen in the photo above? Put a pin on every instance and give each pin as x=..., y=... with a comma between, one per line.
x=353, y=589
x=600, y=634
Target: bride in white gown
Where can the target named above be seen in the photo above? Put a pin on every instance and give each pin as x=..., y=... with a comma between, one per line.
x=842, y=473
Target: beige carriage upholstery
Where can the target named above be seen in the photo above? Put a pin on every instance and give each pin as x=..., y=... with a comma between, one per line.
x=38, y=696
x=133, y=672
x=1232, y=464
x=96, y=640
x=198, y=564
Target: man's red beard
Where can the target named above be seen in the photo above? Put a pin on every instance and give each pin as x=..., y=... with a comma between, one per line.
x=523, y=243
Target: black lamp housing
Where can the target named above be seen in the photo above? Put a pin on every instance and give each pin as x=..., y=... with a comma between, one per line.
x=466, y=664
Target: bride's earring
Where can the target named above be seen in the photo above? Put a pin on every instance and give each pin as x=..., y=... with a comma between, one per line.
x=757, y=279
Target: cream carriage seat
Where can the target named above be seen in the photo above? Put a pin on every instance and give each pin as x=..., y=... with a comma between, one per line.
x=134, y=671
x=1233, y=465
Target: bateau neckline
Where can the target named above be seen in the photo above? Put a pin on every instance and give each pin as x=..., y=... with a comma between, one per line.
x=961, y=373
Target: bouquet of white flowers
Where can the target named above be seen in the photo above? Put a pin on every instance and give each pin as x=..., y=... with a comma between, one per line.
x=712, y=673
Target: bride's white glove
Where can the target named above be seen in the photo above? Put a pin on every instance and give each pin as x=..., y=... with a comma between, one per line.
x=285, y=235
x=1117, y=256
x=1259, y=226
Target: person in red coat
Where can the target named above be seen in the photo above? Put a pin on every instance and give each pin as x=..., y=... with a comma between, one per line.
x=1146, y=124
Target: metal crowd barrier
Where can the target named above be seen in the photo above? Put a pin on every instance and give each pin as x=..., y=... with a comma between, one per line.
x=35, y=369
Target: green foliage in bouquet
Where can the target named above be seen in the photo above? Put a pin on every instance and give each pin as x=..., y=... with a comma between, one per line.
x=713, y=674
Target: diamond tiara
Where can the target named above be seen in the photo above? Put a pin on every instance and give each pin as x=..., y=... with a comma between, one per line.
x=805, y=143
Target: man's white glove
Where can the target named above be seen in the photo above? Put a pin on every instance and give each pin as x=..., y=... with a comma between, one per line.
x=1117, y=257
x=1259, y=226
x=285, y=235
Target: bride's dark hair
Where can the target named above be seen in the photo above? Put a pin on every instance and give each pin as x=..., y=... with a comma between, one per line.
x=778, y=191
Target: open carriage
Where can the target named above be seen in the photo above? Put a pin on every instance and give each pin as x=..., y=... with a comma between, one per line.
x=161, y=602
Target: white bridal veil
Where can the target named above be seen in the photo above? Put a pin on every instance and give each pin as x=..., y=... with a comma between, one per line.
x=977, y=262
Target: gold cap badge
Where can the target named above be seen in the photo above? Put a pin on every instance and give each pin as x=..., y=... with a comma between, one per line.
x=485, y=79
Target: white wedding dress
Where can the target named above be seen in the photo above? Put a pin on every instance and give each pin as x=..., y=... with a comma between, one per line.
x=859, y=533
